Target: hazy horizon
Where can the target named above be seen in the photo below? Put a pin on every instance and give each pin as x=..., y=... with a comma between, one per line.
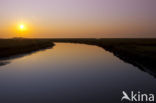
x=78, y=18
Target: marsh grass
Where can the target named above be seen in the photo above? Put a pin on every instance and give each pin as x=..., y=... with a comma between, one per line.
x=139, y=52
x=11, y=47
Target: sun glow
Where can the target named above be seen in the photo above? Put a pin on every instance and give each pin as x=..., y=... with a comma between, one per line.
x=21, y=27
x=22, y=30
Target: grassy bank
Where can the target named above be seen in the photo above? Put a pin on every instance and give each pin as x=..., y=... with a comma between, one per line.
x=139, y=52
x=11, y=47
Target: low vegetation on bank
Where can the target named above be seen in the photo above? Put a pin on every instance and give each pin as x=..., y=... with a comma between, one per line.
x=11, y=47
x=139, y=52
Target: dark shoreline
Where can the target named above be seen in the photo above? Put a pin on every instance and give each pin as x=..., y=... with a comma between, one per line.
x=138, y=52
x=13, y=47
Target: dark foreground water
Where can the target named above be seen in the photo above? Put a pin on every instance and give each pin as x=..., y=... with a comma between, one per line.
x=71, y=73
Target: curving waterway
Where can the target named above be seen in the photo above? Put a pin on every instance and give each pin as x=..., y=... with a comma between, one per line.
x=71, y=73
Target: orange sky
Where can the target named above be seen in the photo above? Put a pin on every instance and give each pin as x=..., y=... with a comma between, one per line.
x=78, y=18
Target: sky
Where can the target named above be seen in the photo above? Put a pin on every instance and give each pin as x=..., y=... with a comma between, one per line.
x=78, y=18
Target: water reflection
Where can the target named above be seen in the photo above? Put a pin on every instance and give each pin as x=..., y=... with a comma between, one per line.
x=7, y=60
x=4, y=62
x=74, y=73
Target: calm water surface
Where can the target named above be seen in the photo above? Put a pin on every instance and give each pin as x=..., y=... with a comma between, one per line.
x=71, y=73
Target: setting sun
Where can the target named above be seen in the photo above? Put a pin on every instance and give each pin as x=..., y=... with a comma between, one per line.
x=22, y=30
x=21, y=26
